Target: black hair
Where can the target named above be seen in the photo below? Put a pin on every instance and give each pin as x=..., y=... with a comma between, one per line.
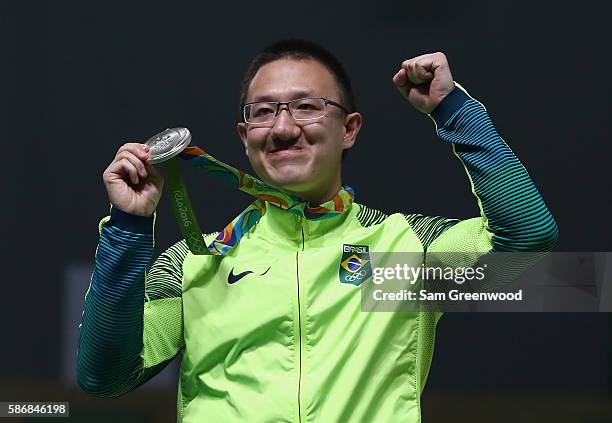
x=300, y=50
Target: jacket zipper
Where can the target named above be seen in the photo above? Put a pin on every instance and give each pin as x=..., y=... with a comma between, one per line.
x=299, y=337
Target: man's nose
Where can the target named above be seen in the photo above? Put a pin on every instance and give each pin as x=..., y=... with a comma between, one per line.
x=285, y=127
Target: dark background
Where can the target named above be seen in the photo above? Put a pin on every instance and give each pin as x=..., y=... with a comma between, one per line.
x=81, y=78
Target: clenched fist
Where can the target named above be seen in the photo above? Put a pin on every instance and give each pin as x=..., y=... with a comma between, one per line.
x=425, y=81
x=133, y=185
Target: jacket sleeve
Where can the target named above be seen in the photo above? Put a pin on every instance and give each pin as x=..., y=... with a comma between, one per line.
x=513, y=216
x=132, y=325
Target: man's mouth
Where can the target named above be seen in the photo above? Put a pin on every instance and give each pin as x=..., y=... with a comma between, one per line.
x=285, y=151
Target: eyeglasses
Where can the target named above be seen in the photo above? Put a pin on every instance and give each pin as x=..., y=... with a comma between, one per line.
x=302, y=109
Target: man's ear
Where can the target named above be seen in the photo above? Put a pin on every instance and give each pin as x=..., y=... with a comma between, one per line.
x=352, y=125
x=241, y=127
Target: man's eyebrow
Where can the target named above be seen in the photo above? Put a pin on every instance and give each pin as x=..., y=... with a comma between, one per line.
x=293, y=96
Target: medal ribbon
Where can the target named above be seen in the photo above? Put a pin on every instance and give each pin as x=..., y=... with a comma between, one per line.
x=241, y=224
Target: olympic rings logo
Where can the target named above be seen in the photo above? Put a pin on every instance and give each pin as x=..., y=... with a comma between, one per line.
x=356, y=276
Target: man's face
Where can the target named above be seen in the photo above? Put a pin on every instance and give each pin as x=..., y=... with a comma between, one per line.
x=303, y=157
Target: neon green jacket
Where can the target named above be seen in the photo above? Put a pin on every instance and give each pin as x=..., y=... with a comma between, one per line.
x=273, y=331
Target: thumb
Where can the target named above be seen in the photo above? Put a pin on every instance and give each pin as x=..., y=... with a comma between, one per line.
x=402, y=82
x=401, y=78
x=153, y=174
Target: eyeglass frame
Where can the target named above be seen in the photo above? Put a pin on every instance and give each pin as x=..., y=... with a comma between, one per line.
x=278, y=109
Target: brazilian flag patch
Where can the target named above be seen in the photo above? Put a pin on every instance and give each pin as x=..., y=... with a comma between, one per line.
x=355, y=267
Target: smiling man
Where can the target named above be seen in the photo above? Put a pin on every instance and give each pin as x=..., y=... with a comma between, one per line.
x=271, y=329
x=293, y=147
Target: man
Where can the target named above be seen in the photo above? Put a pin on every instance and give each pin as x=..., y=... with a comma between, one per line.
x=273, y=330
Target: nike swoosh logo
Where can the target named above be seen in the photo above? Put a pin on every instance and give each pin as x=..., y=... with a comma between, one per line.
x=231, y=278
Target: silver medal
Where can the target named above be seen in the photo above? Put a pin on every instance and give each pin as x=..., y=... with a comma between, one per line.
x=168, y=144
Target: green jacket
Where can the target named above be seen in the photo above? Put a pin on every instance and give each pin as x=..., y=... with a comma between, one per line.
x=273, y=331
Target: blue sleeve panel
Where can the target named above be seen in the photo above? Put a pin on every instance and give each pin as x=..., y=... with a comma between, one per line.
x=111, y=332
x=509, y=201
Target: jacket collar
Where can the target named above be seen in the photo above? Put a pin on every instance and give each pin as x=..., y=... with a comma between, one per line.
x=292, y=230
